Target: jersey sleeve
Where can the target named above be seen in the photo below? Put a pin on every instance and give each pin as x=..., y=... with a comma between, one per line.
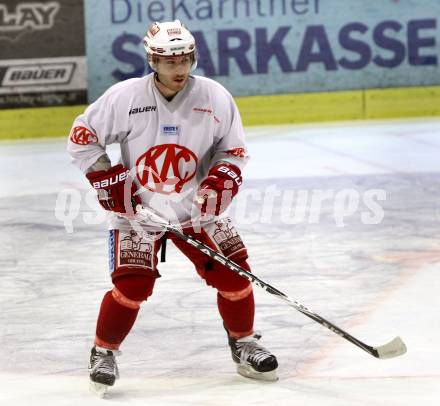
x=93, y=130
x=230, y=140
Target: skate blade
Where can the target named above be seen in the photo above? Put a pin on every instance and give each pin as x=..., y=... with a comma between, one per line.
x=98, y=389
x=249, y=372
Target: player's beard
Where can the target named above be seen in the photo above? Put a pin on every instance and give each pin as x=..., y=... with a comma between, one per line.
x=175, y=82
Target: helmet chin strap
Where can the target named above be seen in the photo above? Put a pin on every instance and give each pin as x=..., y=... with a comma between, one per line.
x=156, y=77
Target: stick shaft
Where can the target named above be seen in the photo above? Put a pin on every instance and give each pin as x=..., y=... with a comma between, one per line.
x=392, y=349
x=270, y=289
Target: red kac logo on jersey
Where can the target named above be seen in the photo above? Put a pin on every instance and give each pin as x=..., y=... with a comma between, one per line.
x=82, y=136
x=166, y=168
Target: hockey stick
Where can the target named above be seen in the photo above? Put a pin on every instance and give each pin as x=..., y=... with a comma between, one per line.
x=392, y=349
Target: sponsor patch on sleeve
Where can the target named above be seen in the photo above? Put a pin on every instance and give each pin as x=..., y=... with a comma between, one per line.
x=238, y=152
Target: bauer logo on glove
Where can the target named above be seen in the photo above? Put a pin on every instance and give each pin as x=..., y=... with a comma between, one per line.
x=113, y=195
x=105, y=183
x=218, y=189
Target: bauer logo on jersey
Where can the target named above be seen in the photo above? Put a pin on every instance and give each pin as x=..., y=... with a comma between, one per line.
x=144, y=109
x=169, y=129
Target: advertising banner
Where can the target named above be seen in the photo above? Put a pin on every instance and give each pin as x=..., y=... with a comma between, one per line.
x=42, y=53
x=275, y=46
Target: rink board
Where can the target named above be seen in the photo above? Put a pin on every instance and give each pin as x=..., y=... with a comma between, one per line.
x=257, y=110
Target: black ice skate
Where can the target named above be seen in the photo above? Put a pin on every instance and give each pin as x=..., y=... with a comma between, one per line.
x=253, y=360
x=103, y=370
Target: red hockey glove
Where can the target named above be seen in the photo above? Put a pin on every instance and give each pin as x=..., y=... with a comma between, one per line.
x=110, y=187
x=218, y=189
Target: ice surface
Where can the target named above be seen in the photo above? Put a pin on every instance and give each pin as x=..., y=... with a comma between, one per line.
x=374, y=280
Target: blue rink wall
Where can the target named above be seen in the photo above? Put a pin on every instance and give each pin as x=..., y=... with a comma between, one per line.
x=256, y=47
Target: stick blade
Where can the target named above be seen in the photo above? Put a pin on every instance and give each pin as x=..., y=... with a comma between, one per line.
x=394, y=348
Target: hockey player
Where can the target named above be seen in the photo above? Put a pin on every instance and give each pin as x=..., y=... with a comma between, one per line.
x=182, y=152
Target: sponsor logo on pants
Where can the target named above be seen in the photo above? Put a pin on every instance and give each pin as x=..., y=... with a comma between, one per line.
x=135, y=251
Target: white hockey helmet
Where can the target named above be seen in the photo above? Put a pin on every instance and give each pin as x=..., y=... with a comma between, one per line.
x=169, y=39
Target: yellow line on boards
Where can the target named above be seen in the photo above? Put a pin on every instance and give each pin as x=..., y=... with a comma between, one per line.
x=257, y=110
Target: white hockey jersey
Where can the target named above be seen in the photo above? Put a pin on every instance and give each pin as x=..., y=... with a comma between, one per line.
x=169, y=146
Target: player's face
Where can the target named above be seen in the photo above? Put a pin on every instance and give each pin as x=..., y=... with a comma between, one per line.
x=174, y=71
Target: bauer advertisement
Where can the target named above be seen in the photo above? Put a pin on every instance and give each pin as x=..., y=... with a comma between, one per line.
x=42, y=53
x=276, y=46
